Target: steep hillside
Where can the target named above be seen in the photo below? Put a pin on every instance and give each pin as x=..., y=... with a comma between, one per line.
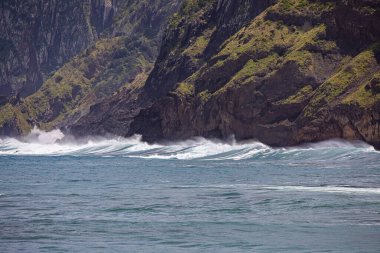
x=283, y=72
x=37, y=37
x=184, y=50
x=123, y=52
x=280, y=71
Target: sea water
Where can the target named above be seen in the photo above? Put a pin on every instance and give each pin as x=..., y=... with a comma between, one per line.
x=124, y=195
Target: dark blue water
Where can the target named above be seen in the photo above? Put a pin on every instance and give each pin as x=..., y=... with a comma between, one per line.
x=116, y=196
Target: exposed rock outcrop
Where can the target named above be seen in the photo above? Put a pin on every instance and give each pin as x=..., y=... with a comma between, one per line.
x=283, y=72
x=37, y=37
x=122, y=43
x=296, y=73
x=191, y=39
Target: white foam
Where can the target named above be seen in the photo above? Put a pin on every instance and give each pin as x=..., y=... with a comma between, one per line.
x=328, y=189
x=337, y=143
x=321, y=189
x=43, y=137
x=55, y=143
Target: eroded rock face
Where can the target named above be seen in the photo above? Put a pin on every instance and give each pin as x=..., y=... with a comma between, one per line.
x=37, y=37
x=214, y=20
x=312, y=80
x=114, y=42
x=148, y=20
x=283, y=72
x=348, y=122
x=179, y=58
x=354, y=23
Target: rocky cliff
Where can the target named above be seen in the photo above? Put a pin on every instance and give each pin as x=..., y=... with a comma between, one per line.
x=114, y=43
x=37, y=37
x=283, y=72
x=183, y=51
x=280, y=71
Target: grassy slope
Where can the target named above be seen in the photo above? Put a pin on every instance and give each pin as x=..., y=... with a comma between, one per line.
x=93, y=75
x=112, y=63
x=347, y=85
x=266, y=44
x=260, y=42
x=270, y=41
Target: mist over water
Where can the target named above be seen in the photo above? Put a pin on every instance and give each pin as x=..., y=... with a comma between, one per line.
x=58, y=194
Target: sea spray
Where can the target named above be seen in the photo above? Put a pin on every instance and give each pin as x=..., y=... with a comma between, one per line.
x=42, y=137
x=55, y=143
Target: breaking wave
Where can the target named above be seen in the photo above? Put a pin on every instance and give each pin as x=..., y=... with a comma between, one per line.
x=343, y=189
x=55, y=143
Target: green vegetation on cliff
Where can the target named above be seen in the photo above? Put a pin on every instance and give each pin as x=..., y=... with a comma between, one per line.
x=15, y=119
x=185, y=89
x=125, y=50
x=95, y=74
x=346, y=85
x=299, y=97
x=298, y=71
x=284, y=72
x=265, y=45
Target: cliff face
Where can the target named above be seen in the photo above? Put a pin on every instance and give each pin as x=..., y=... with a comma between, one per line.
x=301, y=71
x=192, y=38
x=114, y=43
x=280, y=71
x=38, y=37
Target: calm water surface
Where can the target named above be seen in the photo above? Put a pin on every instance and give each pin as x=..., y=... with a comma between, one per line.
x=127, y=196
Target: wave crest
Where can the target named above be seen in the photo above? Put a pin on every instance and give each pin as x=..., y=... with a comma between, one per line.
x=55, y=143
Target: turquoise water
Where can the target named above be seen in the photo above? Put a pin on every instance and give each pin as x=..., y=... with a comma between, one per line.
x=198, y=196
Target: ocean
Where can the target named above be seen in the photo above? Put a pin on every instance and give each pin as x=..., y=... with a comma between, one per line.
x=124, y=195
